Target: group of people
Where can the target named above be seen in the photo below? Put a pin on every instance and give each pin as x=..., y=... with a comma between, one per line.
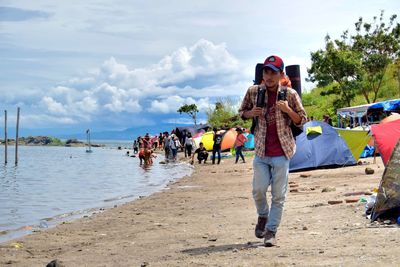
x=170, y=143
x=143, y=146
x=202, y=154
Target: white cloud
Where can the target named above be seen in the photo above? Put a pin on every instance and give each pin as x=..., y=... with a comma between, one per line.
x=190, y=75
x=53, y=106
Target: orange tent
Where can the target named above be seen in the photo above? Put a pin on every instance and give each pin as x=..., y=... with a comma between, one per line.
x=229, y=139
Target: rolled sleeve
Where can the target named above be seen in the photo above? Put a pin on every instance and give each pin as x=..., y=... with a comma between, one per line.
x=248, y=101
x=297, y=107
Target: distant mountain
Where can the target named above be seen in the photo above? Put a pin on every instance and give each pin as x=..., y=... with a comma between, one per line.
x=80, y=133
x=127, y=134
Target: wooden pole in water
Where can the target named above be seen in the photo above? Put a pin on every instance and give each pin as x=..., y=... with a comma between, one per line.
x=5, y=137
x=16, y=138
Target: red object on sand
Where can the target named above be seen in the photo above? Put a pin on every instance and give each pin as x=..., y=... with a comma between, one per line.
x=386, y=136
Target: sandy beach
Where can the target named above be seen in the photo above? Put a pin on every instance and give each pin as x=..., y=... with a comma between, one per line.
x=208, y=219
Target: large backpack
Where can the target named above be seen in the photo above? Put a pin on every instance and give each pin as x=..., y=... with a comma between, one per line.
x=295, y=130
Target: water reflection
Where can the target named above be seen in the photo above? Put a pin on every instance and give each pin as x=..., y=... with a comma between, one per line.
x=50, y=181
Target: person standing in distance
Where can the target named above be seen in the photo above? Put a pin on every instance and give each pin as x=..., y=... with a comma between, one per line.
x=274, y=145
x=216, y=146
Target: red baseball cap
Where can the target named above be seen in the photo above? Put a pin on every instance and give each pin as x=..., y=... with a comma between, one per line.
x=275, y=63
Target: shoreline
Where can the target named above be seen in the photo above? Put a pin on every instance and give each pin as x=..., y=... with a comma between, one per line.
x=208, y=218
x=46, y=223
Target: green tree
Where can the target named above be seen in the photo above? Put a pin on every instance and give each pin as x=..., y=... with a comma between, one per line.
x=356, y=64
x=225, y=115
x=191, y=110
x=337, y=65
x=378, y=44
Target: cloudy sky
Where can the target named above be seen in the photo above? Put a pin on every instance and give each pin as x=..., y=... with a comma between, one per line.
x=110, y=65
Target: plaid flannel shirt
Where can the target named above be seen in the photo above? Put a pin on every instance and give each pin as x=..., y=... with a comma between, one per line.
x=283, y=121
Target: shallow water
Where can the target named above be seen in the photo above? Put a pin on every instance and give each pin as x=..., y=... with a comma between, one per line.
x=60, y=181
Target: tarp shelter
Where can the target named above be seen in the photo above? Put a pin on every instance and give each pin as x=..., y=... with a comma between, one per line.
x=356, y=113
x=320, y=150
x=387, y=204
x=373, y=112
x=193, y=129
x=386, y=136
x=389, y=105
x=356, y=140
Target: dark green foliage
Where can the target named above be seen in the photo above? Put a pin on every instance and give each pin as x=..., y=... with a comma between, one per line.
x=357, y=64
x=225, y=115
x=191, y=110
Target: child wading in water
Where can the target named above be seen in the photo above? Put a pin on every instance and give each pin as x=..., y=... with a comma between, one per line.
x=239, y=144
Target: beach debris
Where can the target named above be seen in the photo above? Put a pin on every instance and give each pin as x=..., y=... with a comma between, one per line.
x=17, y=245
x=55, y=263
x=305, y=175
x=351, y=200
x=387, y=222
x=3, y=232
x=369, y=171
x=144, y=264
x=212, y=239
x=328, y=189
x=356, y=193
x=43, y=224
x=334, y=202
x=295, y=190
x=305, y=228
x=317, y=205
x=162, y=162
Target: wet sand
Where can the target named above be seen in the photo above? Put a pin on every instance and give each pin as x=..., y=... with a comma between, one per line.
x=208, y=219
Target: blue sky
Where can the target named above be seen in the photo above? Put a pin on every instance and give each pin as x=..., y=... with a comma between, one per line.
x=110, y=65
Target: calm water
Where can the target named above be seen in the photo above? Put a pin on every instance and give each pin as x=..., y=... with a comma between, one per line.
x=54, y=182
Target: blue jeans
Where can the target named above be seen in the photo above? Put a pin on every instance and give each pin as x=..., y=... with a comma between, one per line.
x=272, y=171
x=239, y=153
x=216, y=150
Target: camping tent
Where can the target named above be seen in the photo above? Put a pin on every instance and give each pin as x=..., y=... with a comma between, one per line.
x=228, y=140
x=387, y=204
x=356, y=140
x=320, y=150
x=197, y=139
x=208, y=140
x=250, y=141
x=386, y=136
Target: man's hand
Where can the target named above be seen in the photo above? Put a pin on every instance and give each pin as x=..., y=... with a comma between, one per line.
x=283, y=106
x=254, y=112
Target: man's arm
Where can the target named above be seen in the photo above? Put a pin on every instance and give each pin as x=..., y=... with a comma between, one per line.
x=296, y=113
x=248, y=109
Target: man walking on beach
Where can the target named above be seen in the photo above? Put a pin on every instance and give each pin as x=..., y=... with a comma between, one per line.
x=274, y=144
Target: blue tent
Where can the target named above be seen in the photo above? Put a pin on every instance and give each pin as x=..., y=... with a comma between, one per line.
x=320, y=150
x=250, y=141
